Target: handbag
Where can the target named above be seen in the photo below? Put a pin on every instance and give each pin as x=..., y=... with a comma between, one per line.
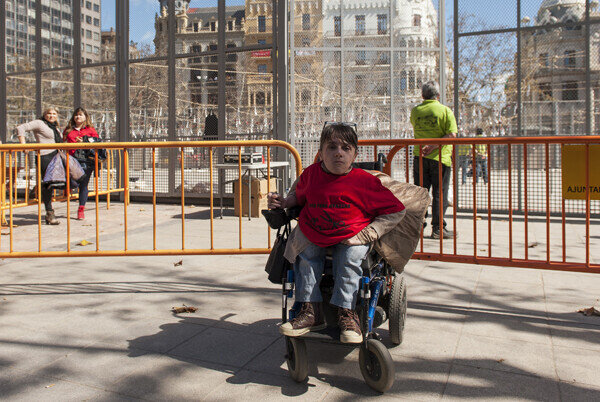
x=75, y=169
x=277, y=265
x=90, y=154
x=54, y=178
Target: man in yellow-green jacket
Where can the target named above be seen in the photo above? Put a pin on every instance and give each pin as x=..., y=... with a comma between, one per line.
x=431, y=119
x=481, y=158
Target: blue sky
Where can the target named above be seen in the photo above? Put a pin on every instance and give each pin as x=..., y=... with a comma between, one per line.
x=503, y=13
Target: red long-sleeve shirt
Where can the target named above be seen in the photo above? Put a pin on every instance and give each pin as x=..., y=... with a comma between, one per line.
x=74, y=134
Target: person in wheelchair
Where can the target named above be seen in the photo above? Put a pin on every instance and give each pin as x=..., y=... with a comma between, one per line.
x=344, y=209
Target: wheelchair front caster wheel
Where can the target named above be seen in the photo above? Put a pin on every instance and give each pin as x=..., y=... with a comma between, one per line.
x=376, y=365
x=397, y=309
x=297, y=358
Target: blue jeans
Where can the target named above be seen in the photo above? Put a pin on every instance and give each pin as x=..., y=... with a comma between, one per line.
x=82, y=183
x=347, y=271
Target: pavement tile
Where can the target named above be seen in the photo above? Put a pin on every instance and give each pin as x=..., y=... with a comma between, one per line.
x=492, y=274
x=575, y=392
x=40, y=388
x=477, y=383
x=109, y=366
x=511, y=296
x=506, y=355
x=223, y=346
x=248, y=385
x=168, y=378
x=575, y=335
x=517, y=327
x=579, y=365
x=425, y=343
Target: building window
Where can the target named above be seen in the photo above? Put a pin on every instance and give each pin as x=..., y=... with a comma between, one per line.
x=88, y=19
x=382, y=24
x=570, y=61
x=260, y=98
x=262, y=68
x=403, y=81
x=306, y=22
x=213, y=26
x=544, y=61
x=88, y=34
x=97, y=8
x=230, y=25
x=416, y=20
x=262, y=26
x=88, y=5
x=360, y=84
x=360, y=24
x=337, y=25
x=262, y=41
x=570, y=91
x=96, y=22
x=545, y=91
x=361, y=57
x=305, y=41
x=384, y=58
x=305, y=97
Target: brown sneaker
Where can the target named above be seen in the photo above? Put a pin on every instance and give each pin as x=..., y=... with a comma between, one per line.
x=309, y=319
x=349, y=326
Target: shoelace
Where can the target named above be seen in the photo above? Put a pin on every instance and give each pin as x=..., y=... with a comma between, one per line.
x=349, y=319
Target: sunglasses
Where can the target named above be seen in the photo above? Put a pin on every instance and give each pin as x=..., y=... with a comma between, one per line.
x=341, y=123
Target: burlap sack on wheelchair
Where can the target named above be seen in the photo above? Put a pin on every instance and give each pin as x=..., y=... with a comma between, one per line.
x=398, y=245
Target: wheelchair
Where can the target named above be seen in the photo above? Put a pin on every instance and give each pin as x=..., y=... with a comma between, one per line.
x=381, y=298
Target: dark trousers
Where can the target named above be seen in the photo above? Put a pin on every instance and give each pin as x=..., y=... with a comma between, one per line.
x=431, y=181
x=46, y=192
x=82, y=183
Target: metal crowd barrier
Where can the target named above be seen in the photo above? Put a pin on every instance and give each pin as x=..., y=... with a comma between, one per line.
x=554, y=259
x=9, y=203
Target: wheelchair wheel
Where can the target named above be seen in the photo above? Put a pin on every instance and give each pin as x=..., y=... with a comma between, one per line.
x=297, y=358
x=376, y=365
x=397, y=309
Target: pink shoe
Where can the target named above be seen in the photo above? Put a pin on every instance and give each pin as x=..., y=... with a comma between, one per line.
x=80, y=214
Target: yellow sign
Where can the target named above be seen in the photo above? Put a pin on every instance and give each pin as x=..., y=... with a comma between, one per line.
x=573, y=172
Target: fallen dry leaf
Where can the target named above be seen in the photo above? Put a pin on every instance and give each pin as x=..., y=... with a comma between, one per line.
x=50, y=386
x=532, y=245
x=183, y=309
x=178, y=263
x=142, y=209
x=84, y=243
x=87, y=224
x=500, y=360
x=478, y=218
x=589, y=311
x=192, y=206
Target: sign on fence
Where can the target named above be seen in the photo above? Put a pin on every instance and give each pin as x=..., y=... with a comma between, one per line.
x=573, y=172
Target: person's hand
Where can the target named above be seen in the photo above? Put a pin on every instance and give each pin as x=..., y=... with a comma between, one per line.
x=275, y=200
x=427, y=149
x=353, y=241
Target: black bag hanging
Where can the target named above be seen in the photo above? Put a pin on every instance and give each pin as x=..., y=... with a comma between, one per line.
x=90, y=154
x=277, y=266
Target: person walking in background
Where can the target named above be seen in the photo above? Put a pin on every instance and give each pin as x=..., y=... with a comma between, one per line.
x=78, y=127
x=481, y=159
x=45, y=131
x=431, y=119
x=463, y=156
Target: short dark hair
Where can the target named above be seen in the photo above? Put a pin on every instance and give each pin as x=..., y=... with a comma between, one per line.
x=430, y=90
x=339, y=131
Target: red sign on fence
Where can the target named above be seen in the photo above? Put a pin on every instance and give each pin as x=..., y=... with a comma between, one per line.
x=261, y=53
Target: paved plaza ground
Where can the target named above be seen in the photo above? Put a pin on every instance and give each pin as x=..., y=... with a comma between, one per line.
x=102, y=328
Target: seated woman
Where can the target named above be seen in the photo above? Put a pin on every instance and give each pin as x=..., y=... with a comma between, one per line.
x=344, y=209
x=78, y=127
x=45, y=131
